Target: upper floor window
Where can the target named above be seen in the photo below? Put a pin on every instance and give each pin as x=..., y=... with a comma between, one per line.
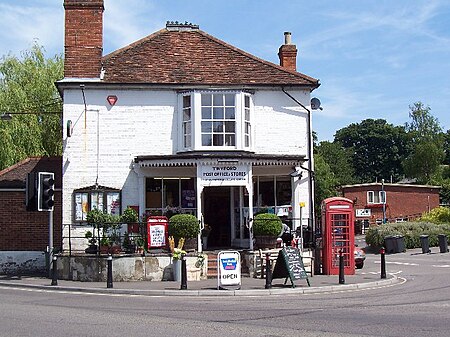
x=376, y=197
x=216, y=120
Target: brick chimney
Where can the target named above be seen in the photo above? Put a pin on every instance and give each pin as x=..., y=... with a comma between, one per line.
x=83, y=39
x=288, y=53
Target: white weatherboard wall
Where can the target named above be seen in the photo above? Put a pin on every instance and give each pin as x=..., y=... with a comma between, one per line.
x=145, y=122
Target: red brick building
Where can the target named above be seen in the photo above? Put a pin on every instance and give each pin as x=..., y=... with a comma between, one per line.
x=402, y=202
x=24, y=235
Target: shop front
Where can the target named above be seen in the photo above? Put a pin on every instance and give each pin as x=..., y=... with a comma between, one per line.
x=222, y=191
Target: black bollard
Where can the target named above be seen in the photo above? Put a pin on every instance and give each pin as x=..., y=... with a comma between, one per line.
x=341, y=268
x=383, y=263
x=55, y=272
x=268, y=272
x=109, y=280
x=183, y=273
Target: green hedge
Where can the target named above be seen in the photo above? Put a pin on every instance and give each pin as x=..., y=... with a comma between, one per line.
x=411, y=232
x=267, y=224
x=183, y=226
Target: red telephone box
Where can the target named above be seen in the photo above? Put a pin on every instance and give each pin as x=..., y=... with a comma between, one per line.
x=157, y=232
x=338, y=235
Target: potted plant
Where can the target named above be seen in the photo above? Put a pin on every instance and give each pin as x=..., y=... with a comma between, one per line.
x=92, y=248
x=266, y=229
x=185, y=226
x=140, y=244
x=128, y=244
x=131, y=218
x=105, y=244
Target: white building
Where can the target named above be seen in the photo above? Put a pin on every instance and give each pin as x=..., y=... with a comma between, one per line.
x=181, y=119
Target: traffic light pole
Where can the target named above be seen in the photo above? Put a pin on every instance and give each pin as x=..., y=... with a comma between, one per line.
x=50, y=243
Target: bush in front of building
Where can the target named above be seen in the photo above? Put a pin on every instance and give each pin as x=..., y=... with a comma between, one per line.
x=411, y=232
x=437, y=215
x=267, y=224
x=183, y=226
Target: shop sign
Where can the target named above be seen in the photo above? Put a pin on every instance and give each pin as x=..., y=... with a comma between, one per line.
x=364, y=212
x=229, y=270
x=218, y=174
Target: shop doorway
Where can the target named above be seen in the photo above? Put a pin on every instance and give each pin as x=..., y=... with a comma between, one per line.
x=216, y=213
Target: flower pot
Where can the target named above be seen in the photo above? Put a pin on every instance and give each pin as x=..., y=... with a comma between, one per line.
x=176, y=270
x=266, y=241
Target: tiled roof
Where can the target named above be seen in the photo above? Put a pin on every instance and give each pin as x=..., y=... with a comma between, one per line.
x=195, y=58
x=15, y=175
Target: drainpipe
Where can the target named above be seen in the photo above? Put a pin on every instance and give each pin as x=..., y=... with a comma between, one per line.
x=309, y=168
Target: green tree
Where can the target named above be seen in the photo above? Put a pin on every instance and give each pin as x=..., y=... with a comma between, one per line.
x=27, y=86
x=325, y=182
x=339, y=161
x=446, y=137
x=428, y=144
x=377, y=149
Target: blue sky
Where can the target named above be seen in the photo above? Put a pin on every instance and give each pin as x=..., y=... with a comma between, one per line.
x=374, y=58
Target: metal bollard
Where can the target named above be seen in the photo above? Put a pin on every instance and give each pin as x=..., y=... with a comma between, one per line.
x=55, y=272
x=341, y=268
x=183, y=273
x=268, y=272
x=109, y=280
x=383, y=263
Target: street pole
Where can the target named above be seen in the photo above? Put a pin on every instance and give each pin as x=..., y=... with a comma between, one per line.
x=383, y=195
x=50, y=242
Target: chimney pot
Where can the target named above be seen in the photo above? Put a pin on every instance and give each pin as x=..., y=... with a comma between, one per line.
x=287, y=38
x=288, y=53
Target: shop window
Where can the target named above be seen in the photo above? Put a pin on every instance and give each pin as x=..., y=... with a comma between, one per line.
x=104, y=199
x=168, y=196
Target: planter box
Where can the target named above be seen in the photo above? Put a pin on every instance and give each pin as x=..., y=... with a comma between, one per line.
x=266, y=241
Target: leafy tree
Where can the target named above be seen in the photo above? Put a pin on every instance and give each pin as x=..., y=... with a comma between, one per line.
x=339, y=161
x=446, y=137
x=377, y=149
x=428, y=149
x=325, y=182
x=27, y=90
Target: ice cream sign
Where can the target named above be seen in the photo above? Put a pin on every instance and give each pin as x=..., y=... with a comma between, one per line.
x=229, y=273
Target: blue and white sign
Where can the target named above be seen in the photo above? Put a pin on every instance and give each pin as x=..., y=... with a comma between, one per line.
x=229, y=270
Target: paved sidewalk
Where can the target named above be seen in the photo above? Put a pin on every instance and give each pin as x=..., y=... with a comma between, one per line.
x=249, y=286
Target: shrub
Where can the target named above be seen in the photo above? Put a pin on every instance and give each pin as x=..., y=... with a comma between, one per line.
x=129, y=216
x=183, y=226
x=437, y=215
x=267, y=224
x=411, y=232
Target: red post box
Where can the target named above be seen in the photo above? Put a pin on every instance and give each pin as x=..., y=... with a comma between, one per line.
x=338, y=235
x=157, y=232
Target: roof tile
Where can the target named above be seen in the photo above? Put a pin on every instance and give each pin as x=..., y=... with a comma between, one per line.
x=195, y=58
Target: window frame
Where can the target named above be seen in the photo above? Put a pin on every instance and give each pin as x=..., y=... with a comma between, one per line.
x=243, y=120
x=379, y=200
x=79, y=211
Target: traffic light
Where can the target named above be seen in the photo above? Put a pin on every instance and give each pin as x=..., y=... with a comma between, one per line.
x=46, y=185
x=31, y=192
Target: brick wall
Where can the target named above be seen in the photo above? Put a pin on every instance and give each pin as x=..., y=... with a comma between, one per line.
x=21, y=230
x=401, y=201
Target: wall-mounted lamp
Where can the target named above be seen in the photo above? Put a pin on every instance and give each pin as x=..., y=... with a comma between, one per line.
x=296, y=174
x=69, y=128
